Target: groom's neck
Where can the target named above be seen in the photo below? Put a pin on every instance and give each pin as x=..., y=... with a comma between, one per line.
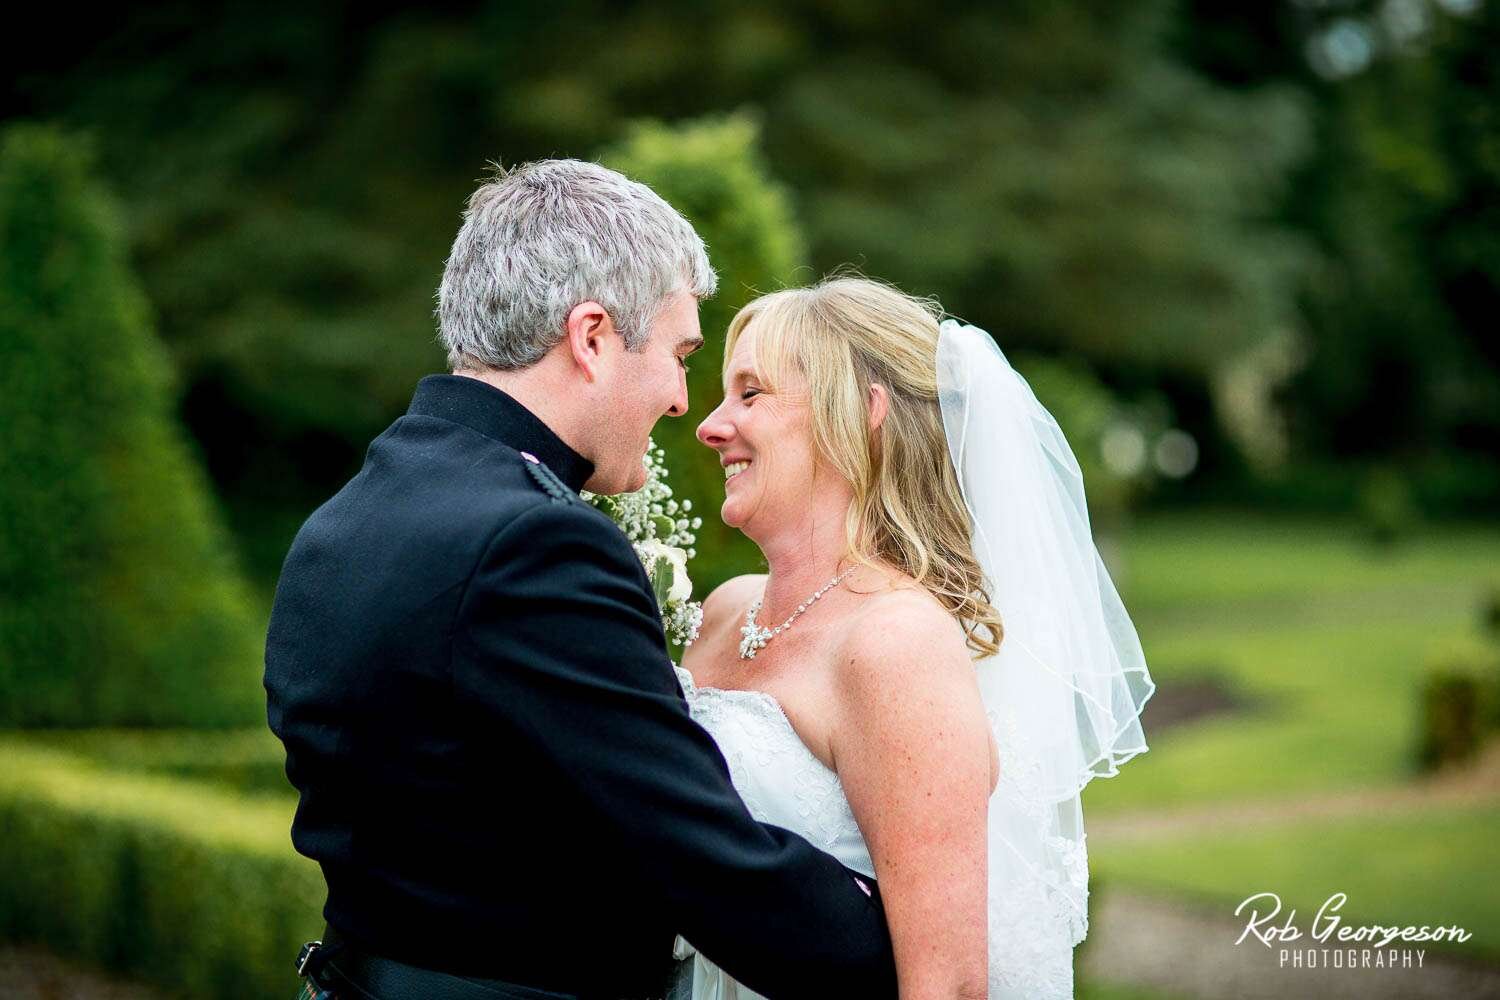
x=539, y=390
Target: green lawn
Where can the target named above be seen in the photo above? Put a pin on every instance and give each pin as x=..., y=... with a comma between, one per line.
x=1325, y=638
x=1085, y=989
x=1180, y=562
x=1436, y=867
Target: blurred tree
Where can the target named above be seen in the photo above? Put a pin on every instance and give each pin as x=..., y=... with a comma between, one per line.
x=119, y=601
x=1087, y=413
x=1405, y=196
x=294, y=175
x=1051, y=174
x=711, y=171
x=1402, y=198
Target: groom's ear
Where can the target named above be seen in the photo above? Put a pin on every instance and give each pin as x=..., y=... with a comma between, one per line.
x=588, y=328
x=879, y=404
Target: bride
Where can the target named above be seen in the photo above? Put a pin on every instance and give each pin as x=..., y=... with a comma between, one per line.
x=936, y=662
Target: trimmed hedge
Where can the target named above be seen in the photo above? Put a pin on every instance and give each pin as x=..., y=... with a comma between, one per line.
x=184, y=885
x=1489, y=611
x=1460, y=704
x=236, y=760
x=120, y=600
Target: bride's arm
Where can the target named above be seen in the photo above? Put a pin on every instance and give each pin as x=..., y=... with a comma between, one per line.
x=912, y=749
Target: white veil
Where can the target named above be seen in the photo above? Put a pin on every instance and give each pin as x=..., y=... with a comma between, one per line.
x=1065, y=692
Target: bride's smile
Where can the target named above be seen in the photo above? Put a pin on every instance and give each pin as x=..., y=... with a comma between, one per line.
x=850, y=686
x=763, y=434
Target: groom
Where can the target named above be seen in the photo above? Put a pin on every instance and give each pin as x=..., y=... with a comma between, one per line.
x=498, y=772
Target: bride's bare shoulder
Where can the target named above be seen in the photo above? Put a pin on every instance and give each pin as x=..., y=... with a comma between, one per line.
x=904, y=675
x=900, y=637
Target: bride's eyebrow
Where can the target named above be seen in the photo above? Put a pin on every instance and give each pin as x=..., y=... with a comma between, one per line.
x=740, y=375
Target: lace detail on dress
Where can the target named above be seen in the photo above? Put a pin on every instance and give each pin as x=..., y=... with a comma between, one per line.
x=1019, y=790
x=780, y=779
x=1036, y=913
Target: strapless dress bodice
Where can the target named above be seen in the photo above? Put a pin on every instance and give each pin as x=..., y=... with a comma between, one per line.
x=782, y=782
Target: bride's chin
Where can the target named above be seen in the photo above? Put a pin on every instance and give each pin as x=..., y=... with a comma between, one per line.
x=733, y=513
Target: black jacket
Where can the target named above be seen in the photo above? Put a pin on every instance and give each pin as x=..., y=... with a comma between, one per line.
x=498, y=772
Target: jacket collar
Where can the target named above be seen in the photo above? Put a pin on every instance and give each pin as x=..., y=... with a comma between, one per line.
x=496, y=414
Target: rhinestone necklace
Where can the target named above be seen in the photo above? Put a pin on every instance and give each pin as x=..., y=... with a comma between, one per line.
x=754, y=637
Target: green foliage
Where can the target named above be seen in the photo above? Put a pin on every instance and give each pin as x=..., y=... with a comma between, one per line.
x=119, y=602
x=192, y=888
x=1084, y=195
x=1399, y=195
x=1460, y=697
x=1489, y=610
x=1046, y=169
x=1083, y=409
x=711, y=171
x=1386, y=507
x=250, y=760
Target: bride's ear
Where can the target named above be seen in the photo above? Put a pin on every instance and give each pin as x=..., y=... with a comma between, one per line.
x=879, y=403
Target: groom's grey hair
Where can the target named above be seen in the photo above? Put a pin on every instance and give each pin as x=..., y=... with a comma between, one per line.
x=542, y=237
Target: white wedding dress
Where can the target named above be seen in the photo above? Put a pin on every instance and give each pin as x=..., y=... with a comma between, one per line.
x=1063, y=694
x=1031, y=929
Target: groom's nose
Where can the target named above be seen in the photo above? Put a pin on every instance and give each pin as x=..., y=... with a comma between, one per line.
x=680, y=400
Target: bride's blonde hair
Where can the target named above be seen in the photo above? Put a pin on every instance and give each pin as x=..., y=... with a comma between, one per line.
x=843, y=334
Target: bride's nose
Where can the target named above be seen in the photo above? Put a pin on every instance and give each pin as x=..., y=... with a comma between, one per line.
x=715, y=431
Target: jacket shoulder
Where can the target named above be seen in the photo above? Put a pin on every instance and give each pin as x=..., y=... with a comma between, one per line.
x=547, y=481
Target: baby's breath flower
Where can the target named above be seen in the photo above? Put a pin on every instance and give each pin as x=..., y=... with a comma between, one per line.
x=650, y=518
